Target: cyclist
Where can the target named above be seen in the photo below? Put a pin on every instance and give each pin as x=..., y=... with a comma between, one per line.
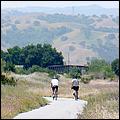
x=75, y=86
x=54, y=86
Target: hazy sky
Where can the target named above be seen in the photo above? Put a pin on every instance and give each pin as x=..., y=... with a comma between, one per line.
x=14, y=4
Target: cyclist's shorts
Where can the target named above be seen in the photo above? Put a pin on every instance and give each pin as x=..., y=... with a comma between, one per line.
x=55, y=87
x=75, y=88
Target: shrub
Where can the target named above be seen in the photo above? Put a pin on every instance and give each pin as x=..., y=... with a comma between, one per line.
x=3, y=64
x=85, y=79
x=9, y=67
x=115, y=66
x=101, y=69
x=9, y=81
x=75, y=72
x=35, y=68
x=20, y=71
x=52, y=73
x=64, y=38
x=112, y=78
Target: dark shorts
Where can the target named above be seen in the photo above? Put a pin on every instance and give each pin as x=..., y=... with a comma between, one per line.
x=55, y=87
x=75, y=88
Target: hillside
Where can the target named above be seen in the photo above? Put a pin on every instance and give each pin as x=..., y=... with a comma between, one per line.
x=84, y=37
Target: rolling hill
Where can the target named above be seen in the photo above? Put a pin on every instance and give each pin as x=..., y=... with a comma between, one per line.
x=83, y=36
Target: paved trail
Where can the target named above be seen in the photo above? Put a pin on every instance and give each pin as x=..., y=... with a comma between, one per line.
x=63, y=108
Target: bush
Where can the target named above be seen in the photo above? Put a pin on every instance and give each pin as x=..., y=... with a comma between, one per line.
x=3, y=64
x=75, y=72
x=9, y=81
x=101, y=69
x=35, y=68
x=52, y=73
x=9, y=67
x=64, y=38
x=115, y=66
x=112, y=78
x=20, y=71
x=99, y=75
x=85, y=79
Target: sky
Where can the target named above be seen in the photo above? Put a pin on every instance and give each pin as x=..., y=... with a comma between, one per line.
x=16, y=4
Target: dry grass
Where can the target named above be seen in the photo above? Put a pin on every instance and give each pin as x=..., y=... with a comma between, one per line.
x=19, y=99
x=103, y=100
x=102, y=97
x=28, y=94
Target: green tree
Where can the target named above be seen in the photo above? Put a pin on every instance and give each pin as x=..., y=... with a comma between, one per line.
x=41, y=55
x=107, y=71
x=101, y=69
x=3, y=64
x=9, y=67
x=97, y=65
x=115, y=66
x=13, y=55
x=51, y=56
x=75, y=72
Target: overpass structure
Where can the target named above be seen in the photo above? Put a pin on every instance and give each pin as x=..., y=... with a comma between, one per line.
x=67, y=68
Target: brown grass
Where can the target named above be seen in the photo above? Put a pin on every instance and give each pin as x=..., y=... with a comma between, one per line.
x=20, y=98
x=28, y=94
x=103, y=100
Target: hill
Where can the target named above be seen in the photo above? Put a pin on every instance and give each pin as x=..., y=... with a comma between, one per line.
x=86, y=10
x=84, y=37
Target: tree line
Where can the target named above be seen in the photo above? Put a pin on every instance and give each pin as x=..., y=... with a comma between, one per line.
x=41, y=55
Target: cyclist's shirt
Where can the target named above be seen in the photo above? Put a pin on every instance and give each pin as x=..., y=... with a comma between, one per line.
x=75, y=82
x=54, y=82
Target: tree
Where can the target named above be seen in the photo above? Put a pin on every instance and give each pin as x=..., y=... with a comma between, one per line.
x=108, y=73
x=9, y=67
x=97, y=65
x=75, y=72
x=3, y=64
x=51, y=56
x=3, y=55
x=101, y=69
x=115, y=66
x=41, y=55
x=13, y=55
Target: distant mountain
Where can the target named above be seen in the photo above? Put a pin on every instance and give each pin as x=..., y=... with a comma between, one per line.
x=84, y=37
x=86, y=10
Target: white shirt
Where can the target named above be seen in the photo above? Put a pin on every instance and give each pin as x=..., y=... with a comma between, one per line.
x=54, y=82
x=74, y=79
x=75, y=82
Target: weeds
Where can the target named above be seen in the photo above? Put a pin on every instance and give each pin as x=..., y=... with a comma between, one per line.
x=104, y=105
x=18, y=99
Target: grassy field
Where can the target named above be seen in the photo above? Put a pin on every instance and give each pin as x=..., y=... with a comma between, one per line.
x=21, y=98
x=103, y=100
x=102, y=96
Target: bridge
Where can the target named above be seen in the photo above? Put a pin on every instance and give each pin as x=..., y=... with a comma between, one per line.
x=67, y=68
